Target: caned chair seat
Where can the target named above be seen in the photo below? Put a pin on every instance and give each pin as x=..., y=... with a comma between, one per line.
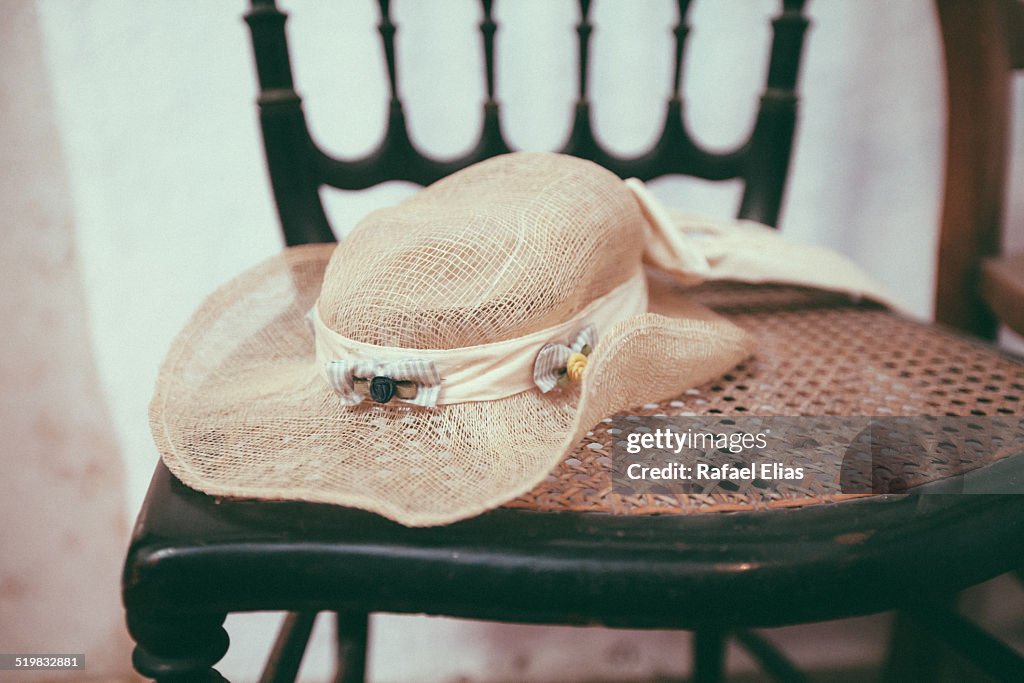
x=573, y=552
x=818, y=354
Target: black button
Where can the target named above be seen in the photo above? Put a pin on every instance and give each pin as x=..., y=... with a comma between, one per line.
x=382, y=389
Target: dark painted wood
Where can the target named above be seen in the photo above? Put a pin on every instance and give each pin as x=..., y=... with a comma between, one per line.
x=680, y=32
x=766, y=156
x=177, y=645
x=708, y=656
x=194, y=558
x=387, y=31
x=990, y=655
x=913, y=654
x=290, y=151
x=299, y=167
x=192, y=551
x=768, y=657
x=286, y=656
x=352, y=630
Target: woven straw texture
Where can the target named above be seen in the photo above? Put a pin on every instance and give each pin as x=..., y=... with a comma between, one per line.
x=510, y=246
x=242, y=410
x=818, y=354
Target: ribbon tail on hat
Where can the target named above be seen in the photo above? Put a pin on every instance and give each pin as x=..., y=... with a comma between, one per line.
x=693, y=249
x=552, y=359
x=667, y=247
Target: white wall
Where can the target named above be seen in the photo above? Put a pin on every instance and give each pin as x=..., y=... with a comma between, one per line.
x=153, y=102
x=63, y=520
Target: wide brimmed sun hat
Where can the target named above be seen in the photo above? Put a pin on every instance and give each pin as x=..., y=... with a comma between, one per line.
x=443, y=357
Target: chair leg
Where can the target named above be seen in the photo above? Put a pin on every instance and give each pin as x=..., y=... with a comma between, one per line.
x=971, y=642
x=178, y=649
x=352, y=630
x=913, y=654
x=772, y=661
x=708, y=656
x=286, y=657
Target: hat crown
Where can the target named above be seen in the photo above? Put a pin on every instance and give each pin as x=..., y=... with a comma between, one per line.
x=506, y=247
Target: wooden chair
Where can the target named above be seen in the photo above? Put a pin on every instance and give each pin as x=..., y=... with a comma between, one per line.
x=982, y=44
x=563, y=559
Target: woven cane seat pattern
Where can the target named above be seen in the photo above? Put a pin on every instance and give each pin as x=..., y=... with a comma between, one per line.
x=819, y=354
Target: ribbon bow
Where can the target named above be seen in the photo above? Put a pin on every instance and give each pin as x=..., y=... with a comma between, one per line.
x=413, y=381
x=557, y=363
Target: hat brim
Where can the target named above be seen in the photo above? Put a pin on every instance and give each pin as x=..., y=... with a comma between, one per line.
x=241, y=410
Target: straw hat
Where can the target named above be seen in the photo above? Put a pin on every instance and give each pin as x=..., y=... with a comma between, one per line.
x=446, y=355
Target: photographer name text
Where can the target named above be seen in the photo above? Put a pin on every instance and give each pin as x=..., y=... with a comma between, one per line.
x=666, y=442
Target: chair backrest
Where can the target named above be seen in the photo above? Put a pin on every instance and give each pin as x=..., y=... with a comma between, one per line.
x=983, y=41
x=299, y=167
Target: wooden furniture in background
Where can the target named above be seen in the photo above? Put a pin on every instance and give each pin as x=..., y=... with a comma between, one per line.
x=983, y=44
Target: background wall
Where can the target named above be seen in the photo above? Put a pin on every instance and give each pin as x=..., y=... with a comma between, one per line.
x=63, y=517
x=155, y=133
